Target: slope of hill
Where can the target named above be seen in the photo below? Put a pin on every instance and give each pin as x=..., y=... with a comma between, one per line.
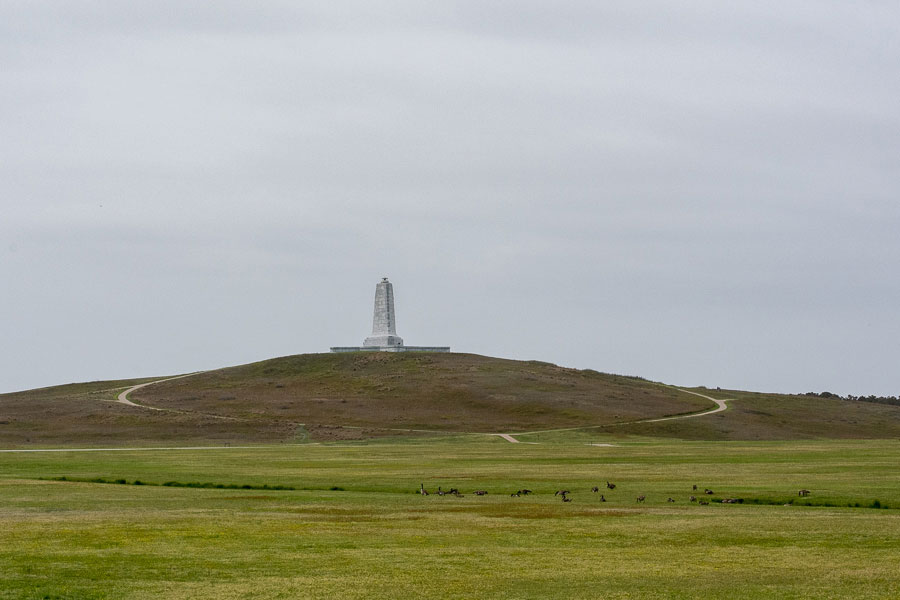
x=363, y=395
x=390, y=391
x=335, y=396
x=87, y=414
x=755, y=416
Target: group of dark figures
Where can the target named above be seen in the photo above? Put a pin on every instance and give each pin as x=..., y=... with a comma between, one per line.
x=564, y=494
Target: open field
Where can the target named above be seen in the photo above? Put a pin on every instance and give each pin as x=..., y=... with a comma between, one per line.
x=292, y=519
x=375, y=538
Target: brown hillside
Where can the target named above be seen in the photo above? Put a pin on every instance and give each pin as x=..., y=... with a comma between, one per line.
x=334, y=396
x=363, y=395
x=447, y=392
x=754, y=416
x=86, y=414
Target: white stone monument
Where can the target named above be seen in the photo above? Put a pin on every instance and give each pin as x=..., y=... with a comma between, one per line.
x=384, y=336
x=384, y=325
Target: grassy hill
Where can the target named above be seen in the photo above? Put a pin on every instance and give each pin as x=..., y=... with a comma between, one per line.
x=447, y=392
x=336, y=396
x=87, y=414
x=755, y=416
x=362, y=395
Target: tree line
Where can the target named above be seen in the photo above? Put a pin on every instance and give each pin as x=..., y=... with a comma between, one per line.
x=851, y=398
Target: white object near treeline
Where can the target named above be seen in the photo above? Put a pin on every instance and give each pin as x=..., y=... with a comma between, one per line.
x=384, y=336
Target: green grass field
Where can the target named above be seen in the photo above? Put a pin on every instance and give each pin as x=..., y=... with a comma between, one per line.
x=374, y=537
x=314, y=495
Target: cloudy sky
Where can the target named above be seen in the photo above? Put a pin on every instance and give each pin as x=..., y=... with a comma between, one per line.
x=699, y=192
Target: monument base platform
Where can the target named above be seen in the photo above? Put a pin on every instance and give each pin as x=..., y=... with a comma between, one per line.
x=390, y=348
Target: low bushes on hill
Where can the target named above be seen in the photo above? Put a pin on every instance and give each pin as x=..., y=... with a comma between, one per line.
x=893, y=400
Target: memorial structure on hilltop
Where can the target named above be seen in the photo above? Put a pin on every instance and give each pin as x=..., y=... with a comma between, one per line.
x=384, y=336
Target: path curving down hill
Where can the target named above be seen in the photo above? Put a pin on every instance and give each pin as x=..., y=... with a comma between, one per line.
x=123, y=397
x=443, y=392
x=325, y=397
x=720, y=406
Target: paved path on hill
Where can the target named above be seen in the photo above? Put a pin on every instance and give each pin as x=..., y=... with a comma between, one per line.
x=720, y=406
x=123, y=397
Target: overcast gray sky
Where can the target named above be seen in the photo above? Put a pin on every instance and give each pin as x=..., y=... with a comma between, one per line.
x=697, y=192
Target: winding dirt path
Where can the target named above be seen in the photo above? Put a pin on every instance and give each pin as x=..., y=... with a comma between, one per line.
x=720, y=406
x=123, y=397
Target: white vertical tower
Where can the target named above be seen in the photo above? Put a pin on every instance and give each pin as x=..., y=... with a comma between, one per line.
x=384, y=327
x=384, y=336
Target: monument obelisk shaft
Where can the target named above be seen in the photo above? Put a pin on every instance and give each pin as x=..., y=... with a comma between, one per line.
x=384, y=326
x=384, y=336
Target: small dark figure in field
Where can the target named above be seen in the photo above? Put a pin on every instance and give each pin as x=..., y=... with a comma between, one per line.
x=561, y=493
x=454, y=491
x=566, y=499
x=524, y=492
x=610, y=486
x=515, y=495
x=422, y=490
x=602, y=499
x=704, y=503
x=695, y=487
x=693, y=498
x=641, y=498
x=732, y=501
x=708, y=491
x=595, y=489
x=480, y=493
x=670, y=500
x=440, y=492
x=804, y=493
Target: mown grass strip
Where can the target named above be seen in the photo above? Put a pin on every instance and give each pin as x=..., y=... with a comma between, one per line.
x=792, y=502
x=190, y=484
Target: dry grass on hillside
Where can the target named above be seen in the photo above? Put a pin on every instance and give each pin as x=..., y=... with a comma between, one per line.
x=333, y=397
x=754, y=416
x=448, y=392
x=363, y=395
